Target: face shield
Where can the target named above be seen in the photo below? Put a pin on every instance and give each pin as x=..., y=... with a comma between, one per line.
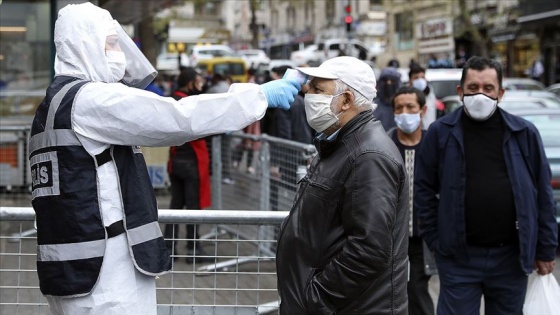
x=139, y=71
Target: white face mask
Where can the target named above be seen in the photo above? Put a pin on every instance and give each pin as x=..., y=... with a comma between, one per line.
x=318, y=111
x=479, y=106
x=407, y=123
x=420, y=84
x=117, y=64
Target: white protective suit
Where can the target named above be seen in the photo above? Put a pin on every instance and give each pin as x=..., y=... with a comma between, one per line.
x=431, y=113
x=107, y=114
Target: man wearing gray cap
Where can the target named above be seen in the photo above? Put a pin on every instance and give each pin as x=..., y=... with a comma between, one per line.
x=343, y=248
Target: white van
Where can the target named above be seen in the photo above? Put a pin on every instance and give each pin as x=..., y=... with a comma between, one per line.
x=444, y=81
x=200, y=52
x=334, y=47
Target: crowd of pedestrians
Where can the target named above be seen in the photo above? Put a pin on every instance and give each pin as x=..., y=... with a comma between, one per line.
x=391, y=198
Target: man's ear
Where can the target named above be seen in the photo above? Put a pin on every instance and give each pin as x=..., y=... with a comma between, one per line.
x=501, y=94
x=460, y=92
x=423, y=111
x=348, y=100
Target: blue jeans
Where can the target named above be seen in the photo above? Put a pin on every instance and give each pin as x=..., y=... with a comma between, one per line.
x=494, y=273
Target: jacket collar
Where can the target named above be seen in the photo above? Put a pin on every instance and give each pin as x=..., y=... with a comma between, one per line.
x=326, y=145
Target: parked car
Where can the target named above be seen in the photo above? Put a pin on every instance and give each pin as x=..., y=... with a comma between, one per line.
x=444, y=81
x=522, y=84
x=281, y=62
x=200, y=52
x=308, y=55
x=547, y=122
x=555, y=88
x=512, y=100
x=335, y=47
x=168, y=62
x=235, y=67
x=254, y=57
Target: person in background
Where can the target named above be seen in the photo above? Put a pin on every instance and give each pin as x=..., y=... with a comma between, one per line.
x=249, y=146
x=536, y=70
x=409, y=105
x=291, y=125
x=153, y=87
x=99, y=245
x=387, y=85
x=221, y=84
x=189, y=175
x=417, y=79
x=484, y=199
x=343, y=247
x=393, y=63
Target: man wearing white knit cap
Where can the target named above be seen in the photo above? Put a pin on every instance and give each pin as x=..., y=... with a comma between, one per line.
x=343, y=248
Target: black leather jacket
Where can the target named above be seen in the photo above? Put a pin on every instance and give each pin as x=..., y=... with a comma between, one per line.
x=343, y=247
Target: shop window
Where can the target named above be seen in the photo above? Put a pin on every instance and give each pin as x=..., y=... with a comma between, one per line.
x=25, y=55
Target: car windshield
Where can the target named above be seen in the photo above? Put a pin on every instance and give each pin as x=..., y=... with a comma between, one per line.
x=548, y=126
x=444, y=88
x=229, y=68
x=217, y=53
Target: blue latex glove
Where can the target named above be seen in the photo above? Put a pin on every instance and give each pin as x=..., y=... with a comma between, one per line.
x=280, y=93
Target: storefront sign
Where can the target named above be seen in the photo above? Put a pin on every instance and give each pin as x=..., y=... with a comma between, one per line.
x=434, y=28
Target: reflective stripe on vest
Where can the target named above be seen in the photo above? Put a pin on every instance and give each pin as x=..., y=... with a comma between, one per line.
x=91, y=249
x=53, y=138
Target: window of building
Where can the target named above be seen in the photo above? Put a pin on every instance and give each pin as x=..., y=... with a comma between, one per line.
x=25, y=55
x=329, y=11
x=404, y=39
x=207, y=8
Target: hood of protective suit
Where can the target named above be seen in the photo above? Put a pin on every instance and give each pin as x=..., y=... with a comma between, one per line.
x=79, y=36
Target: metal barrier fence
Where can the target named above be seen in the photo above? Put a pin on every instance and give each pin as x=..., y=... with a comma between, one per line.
x=240, y=277
x=250, y=173
x=263, y=170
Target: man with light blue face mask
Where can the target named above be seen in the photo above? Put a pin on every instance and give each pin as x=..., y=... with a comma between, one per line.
x=409, y=107
x=343, y=248
x=484, y=199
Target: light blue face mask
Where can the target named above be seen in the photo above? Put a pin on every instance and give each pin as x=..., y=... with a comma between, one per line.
x=408, y=123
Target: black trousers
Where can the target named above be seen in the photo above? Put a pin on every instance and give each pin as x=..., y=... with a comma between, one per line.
x=184, y=195
x=419, y=299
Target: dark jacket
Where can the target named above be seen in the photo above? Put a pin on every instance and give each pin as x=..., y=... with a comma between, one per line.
x=343, y=247
x=441, y=170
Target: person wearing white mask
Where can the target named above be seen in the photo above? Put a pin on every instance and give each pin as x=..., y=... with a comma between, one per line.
x=409, y=106
x=484, y=199
x=99, y=244
x=343, y=248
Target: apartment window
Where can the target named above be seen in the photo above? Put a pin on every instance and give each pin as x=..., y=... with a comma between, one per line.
x=25, y=55
x=404, y=39
x=207, y=8
x=329, y=10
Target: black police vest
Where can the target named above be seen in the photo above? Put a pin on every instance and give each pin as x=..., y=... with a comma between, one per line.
x=71, y=235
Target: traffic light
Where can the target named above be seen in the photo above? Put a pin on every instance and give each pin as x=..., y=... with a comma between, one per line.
x=348, y=18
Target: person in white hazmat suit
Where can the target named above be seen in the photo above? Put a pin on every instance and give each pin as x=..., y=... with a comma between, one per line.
x=99, y=244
